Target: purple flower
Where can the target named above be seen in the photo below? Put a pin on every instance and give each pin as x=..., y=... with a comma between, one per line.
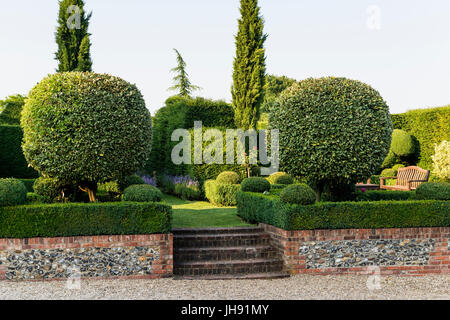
x=149, y=180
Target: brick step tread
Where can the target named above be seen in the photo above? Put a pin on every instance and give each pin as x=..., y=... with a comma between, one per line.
x=186, y=231
x=224, y=236
x=187, y=250
x=250, y=276
x=224, y=263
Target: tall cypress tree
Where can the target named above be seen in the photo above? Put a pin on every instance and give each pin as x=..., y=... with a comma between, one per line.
x=72, y=37
x=182, y=83
x=249, y=67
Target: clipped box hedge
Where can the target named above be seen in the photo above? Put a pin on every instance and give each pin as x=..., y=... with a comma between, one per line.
x=386, y=195
x=254, y=207
x=84, y=219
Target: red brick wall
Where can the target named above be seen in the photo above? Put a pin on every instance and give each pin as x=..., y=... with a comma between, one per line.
x=162, y=267
x=289, y=243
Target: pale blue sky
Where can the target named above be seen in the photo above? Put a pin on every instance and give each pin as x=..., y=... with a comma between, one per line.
x=407, y=60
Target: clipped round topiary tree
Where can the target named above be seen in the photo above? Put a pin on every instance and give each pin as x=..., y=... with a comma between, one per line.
x=402, y=143
x=142, y=193
x=390, y=160
x=12, y=192
x=280, y=178
x=298, y=194
x=332, y=130
x=228, y=177
x=86, y=128
x=255, y=184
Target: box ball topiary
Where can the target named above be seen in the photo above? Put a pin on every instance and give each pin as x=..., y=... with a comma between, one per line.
x=280, y=178
x=48, y=188
x=86, y=128
x=228, y=177
x=142, y=193
x=433, y=191
x=298, y=194
x=331, y=129
x=255, y=184
x=12, y=192
x=402, y=143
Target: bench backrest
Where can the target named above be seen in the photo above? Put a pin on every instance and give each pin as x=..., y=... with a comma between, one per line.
x=412, y=173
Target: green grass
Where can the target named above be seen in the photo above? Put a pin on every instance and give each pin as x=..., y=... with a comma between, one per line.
x=201, y=214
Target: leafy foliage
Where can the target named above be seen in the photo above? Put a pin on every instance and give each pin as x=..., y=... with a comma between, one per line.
x=441, y=161
x=180, y=113
x=273, y=88
x=85, y=128
x=332, y=130
x=221, y=194
x=12, y=160
x=142, y=193
x=84, y=219
x=12, y=192
x=228, y=177
x=433, y=191
x=298, y=194
x=10, y=109
x=73, y=43
x=255, y=184
x=429, y=126
x=127, y=181
x=48, y=188
x=249, y=66
x=280, y=178
x=182, y=83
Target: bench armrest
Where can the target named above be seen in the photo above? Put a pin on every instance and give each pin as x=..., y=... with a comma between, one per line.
x=383, y=178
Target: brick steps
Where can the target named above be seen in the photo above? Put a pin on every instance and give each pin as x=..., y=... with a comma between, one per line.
x=251, y=276
x=225, y=253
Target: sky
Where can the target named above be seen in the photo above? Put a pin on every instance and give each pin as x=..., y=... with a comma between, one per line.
x=401, y=47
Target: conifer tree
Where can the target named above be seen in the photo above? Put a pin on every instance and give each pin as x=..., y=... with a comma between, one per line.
x=181, y=80
x=249, y=66
x=72, y=37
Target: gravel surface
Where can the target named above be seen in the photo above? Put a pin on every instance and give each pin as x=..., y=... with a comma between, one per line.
x=297, y=287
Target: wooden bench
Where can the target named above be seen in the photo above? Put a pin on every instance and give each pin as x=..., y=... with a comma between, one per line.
x=407, y=179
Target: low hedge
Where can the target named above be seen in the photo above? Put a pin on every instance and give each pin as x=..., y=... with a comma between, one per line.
x=258, y=208
x=386, y=195
x=255, y=184
x=84, y=219
x=221, y=194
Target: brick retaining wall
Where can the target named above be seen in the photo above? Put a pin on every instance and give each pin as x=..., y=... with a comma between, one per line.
x=409, y=251
x=117, y=256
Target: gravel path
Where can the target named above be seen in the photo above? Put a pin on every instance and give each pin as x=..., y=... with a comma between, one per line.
x=296, y=287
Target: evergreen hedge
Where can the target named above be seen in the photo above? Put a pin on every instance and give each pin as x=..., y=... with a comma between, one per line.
x=221, y=194
x=259, y=208
x=84, y=219
x=429, y=126
x=12, y=160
